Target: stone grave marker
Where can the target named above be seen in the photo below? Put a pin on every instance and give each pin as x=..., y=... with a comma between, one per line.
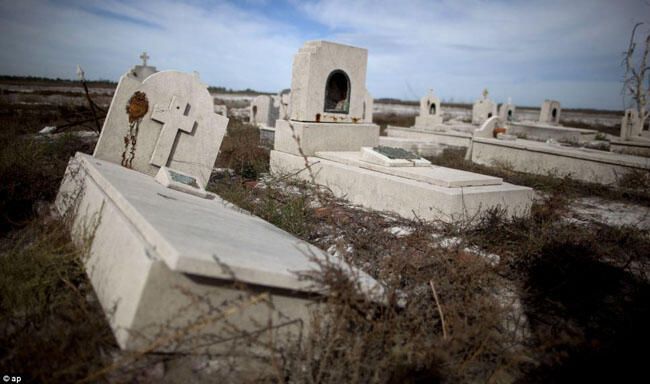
x=167, y=120
x=430, y=112
x=507, y=111
x=483, y=109
x=550, y=112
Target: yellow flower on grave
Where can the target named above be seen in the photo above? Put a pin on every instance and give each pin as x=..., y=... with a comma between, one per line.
x=137, y=107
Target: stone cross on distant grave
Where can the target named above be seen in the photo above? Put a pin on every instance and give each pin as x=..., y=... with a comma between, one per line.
x=485, y=94
x=175, y=117
x=144, y=58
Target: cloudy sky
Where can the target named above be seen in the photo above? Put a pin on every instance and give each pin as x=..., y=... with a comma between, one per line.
x=569, y=50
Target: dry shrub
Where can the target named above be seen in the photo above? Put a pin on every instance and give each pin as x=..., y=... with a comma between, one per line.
x=52, y=328
x=241, y=151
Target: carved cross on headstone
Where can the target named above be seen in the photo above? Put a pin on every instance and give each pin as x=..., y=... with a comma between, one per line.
x=174, y=117
x=485, y=94
x=144, y=58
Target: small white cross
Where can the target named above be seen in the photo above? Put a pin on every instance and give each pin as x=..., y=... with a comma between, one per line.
x=175, y=118
x=485, y=93
x=144, y=58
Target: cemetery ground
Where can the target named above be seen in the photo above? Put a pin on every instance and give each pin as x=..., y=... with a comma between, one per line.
x=562, y=295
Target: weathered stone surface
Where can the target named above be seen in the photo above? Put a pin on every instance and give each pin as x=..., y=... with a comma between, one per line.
x=324, y=136
x=483, y=109
x=166, y=120
x=541, y=158
x=373, y=187
x=264, y=111
x=507, y=112
x=159, y=258
x=328, y=83
x=550, y=112
x=430, y=112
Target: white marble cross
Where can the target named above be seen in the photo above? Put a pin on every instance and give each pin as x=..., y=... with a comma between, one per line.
x=175, y=118
x=144, y=58
x=485, y=94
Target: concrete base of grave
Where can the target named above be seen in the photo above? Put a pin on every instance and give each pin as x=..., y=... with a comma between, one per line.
x=448, y=138
x=440, y=196
x=316, y=137
x=630, y=147
x=544, y=159
x=420, y=147
x=176, y=271
x=543, y=132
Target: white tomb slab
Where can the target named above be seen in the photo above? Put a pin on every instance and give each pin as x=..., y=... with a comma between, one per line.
x=434, y=175
x=166, y=120
x=550, y=112
x=448, y=138
x=483, y=109
x=408, y=159
x=542, y=131
x=154, y=250
x=419, y=146
x=536, y=157
x=380, y=188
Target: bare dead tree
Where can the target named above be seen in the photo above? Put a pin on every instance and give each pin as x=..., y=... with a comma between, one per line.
x=636, y=74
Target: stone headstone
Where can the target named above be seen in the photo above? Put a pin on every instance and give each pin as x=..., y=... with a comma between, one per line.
x=430, y=113
x=507, y=111
x=166, y=120
x=483, y=109
x=630, y=124
x=263, y=111
x=143, y=71
x=342, y=69
x=550, y=112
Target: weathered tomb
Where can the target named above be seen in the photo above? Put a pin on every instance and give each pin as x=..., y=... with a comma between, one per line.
x=483, y=109
x=143, y=71
x=326, y=131
x=430, y=135
x=632, y=139
x=177, y=268
x=263, y=111
x=489, y=147
x=507, y=111
x=430, y=112
x=550, y=112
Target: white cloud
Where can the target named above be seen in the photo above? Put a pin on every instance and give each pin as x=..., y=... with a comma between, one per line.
x=528, y=50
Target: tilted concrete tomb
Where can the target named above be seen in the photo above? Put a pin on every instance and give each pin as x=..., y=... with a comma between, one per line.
x=177, y=268
x=327, y=131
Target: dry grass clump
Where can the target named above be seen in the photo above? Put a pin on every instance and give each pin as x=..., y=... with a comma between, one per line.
x=31, y=170
x=52, y=328
x=241, y=151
